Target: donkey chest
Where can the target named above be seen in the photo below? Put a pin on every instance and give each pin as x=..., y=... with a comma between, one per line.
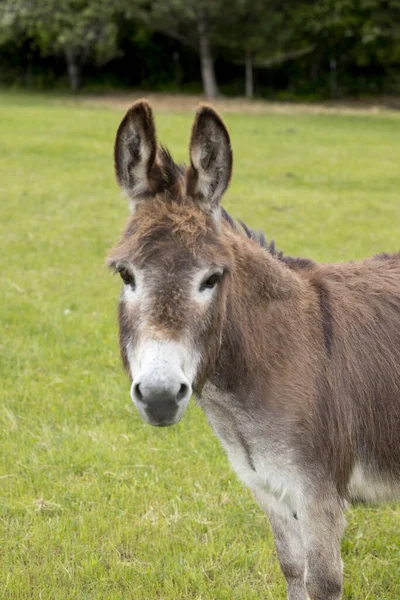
x=262, y=473
x=262, y=465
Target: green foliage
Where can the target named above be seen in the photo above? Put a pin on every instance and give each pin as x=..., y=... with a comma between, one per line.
x=84, y=25
x=81, y=30
x=96, y=505
x=330, y=46
x=363, y=31
x=259, y=27
x=179, y=18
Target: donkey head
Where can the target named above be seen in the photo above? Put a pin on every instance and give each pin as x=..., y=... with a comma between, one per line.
x=172, y=259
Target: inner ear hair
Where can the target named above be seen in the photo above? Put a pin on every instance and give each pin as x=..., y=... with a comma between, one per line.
x=210, y=150
x=135, y=150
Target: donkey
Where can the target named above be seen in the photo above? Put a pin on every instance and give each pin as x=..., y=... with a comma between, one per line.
x=296, y=364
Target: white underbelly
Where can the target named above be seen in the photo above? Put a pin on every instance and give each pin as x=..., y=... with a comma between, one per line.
x=366, y=487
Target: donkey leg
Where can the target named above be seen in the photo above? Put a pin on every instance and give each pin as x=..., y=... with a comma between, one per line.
x=323, y=525
x=291, y=553
x=288, y=543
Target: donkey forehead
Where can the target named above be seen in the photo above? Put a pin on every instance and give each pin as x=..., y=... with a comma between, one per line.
x=163, y=234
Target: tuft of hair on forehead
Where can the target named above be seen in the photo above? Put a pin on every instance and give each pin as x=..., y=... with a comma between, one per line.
x=180, y=215
x=164, y=228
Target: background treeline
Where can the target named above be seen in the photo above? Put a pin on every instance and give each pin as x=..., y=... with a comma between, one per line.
x=321, y=48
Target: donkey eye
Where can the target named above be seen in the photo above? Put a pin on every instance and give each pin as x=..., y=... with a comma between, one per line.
x=127, y=277
x=211, y=281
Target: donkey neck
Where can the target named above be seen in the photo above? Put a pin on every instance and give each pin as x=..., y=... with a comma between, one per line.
x=260, y=291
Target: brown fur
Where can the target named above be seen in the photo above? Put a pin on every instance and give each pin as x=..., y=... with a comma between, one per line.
x=308, y=352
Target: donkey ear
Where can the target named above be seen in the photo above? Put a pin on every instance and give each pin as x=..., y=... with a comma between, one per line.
x=135, y=151
x=210, y=159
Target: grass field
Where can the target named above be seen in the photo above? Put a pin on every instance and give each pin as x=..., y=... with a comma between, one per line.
x=94, y=504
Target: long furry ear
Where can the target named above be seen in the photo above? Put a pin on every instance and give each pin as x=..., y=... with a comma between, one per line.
x=210, y=168
x=135, y=151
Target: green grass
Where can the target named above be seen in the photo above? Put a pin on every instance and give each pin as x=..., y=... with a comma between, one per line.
x=94, y=504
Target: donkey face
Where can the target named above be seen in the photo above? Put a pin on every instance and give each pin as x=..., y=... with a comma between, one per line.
x=173, y=262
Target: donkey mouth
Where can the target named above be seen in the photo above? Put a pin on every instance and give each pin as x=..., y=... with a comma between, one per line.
x=161, y=416
x=162, y=422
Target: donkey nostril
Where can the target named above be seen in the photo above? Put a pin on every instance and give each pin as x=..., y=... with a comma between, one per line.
x=137, y=391
x=183, y=390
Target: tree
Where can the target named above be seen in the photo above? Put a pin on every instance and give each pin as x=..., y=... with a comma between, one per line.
x=252, y=28
x=260, y=34
x=194, y=23
x=352, y=32
x=79, y=30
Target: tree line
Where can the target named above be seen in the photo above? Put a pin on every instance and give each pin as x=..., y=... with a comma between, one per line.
x=332, y=46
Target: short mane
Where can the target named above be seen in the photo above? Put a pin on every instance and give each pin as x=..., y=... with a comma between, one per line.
x=261, y=240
